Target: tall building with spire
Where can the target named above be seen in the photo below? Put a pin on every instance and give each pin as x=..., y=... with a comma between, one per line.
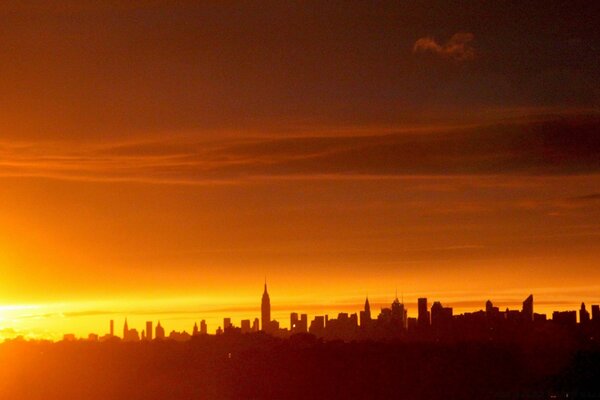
x=125, y=330
x=265, y=309
x=399, y=313
x=159, y=331
x=365, y=315
x=584, y=315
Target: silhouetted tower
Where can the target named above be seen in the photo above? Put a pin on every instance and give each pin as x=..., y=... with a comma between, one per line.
x=203, y=327
x=399, y=313
x=489, y=308
x=527, y=311
x=584, y=315
x=125, y=330
x=596, y=313
x=441, y=318
x=365, y=315
x=423, y=318
x=195, y=330
x=148, y=330
x=160, y=331
x=265, y=309
x=112, y=328
x=246, y=326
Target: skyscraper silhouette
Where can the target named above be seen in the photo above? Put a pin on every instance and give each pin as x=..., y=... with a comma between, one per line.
x=596, y=313
x=489, y=308
x=293, y=321
x=423, y=316
x=265, y=309
x=125, y=330
x=148, y=330
x=160, y=331
x=245, y=326
x=527, y=311
x=367, y=309
x=584, y=315
x=365, y=316
x=398, y=314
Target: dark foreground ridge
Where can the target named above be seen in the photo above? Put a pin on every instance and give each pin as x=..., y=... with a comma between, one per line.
x=260, y=366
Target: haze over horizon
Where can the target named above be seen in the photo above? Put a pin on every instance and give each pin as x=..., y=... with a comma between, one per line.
x=164, y=158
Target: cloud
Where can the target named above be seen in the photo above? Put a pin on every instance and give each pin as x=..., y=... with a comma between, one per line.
x=458, y=48
x=556, y=146
x=586, y=198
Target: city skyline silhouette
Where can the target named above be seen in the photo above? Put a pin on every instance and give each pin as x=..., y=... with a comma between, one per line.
x=161, y=158
x=431, y=322
x=325, y=199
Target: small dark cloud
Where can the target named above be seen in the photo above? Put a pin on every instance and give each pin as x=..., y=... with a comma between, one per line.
x=457, y=48
x=86, y=313
x=592, y=197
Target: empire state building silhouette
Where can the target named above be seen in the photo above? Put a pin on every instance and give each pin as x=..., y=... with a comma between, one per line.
x=266, y=310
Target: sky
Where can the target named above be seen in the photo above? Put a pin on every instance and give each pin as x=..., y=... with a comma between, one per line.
x=159, y=160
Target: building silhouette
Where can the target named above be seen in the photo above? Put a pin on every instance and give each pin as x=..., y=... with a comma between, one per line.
x=245, y=326
x=203, y=328
x=365, y=315
x=344, y=327
x=596, y=313
x=227, y=324
x=130, y=335
x=399, y=314
x=441, y=318
x=317, y=326
x=584, y=315
x=568, y=318
x=423, y=319
x=298, y=324
x=265, y=311
x=148, y=330
x=159, y=332
x=112, y=328
x=527, y=311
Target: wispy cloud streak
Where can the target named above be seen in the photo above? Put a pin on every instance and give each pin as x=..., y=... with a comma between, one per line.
x=553, y=147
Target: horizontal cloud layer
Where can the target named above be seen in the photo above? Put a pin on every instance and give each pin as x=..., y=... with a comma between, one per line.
x=556, y=146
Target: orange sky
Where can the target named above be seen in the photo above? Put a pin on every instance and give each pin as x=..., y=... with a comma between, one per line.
x=158, y=161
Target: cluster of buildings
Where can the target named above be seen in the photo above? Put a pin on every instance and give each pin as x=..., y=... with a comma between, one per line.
x=432, y=322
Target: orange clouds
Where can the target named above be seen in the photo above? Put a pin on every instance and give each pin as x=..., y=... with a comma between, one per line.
x=559, y=145
x=457, y=48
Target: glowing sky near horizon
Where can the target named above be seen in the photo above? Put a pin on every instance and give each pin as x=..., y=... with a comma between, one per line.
x=157, y=161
